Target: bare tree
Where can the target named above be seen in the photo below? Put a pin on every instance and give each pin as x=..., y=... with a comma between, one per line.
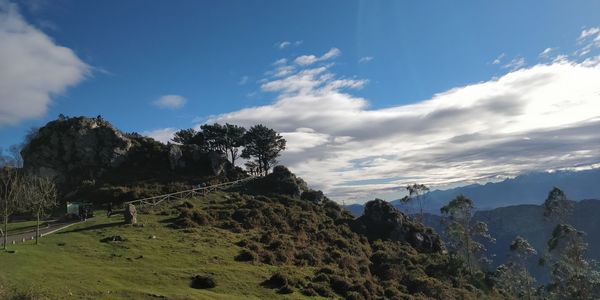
x=573, y=275
x=41, y=196
x=11, y=191
x=415, y=193
x=463, y=232
x=513, y=276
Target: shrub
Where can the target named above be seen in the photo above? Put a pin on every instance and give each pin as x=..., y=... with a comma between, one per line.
x=246, y=255
x=286, y=289
x=203, y=282
x=280, y=280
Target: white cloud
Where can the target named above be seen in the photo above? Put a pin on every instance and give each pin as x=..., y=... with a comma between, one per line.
x=365, y=59
x=303, y=138
x=163, y=135
x=170, y=102
x=590, y=32
x=590, y=39
x=541, y=117
x=33, y=68
x=305, y=60
x=498, y=59
x=283, y=44
x=546, y=53
x=515, y=64
x=281, y=61
x=287, y=44
x=243, y=80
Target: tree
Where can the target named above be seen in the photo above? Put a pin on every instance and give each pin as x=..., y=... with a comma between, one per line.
x=214, y=136
x=513, y=276
x=573, y=276
x=416, y=192
x=251, y=167
x=11, y=191
x=263, y=144
x=187, y=137
x=41, y=195
x=556, y=206
x=462, y=232
x=233, y=140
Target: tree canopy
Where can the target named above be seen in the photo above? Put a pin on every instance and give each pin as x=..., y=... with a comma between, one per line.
x=260, y=145
x=264, y=145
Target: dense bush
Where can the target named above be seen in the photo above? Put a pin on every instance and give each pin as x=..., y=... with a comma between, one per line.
x=203, y=282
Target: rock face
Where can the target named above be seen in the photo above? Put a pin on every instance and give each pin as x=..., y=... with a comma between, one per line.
x=130, y=214
x=75, y=149
x=381, y=220
x=218, y=163
x=175, y=155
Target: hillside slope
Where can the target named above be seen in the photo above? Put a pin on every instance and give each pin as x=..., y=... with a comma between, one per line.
x=254, y=243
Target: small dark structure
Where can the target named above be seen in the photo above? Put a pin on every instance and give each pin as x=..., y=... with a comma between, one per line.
x=79, y=210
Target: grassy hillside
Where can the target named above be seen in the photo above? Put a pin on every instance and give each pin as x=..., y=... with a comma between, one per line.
x=254, y=245
x=74, y=263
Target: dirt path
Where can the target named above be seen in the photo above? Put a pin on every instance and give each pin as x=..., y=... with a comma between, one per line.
x=30, y=235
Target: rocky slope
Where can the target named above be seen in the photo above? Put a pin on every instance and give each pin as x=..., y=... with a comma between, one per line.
x=383, y=254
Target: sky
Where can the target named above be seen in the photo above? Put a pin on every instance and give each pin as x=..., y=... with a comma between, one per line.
x=371, y=95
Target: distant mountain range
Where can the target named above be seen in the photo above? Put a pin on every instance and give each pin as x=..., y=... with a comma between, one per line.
x=531, y=188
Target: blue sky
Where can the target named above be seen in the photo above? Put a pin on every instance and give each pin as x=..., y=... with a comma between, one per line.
x=214, y=57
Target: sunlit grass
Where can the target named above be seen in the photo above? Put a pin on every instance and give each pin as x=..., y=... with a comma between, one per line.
x=75, y=264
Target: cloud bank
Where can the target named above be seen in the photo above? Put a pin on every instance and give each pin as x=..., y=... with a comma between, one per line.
x=33, y=68
x=541, y=117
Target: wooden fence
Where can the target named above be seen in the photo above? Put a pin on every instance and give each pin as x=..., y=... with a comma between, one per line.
x=200, y=191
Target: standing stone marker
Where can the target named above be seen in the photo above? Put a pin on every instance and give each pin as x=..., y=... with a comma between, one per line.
x=130, y=214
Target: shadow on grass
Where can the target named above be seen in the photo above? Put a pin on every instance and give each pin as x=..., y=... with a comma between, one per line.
x=93, y=227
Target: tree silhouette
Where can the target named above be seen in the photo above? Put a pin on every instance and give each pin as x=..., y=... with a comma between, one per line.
x=264, y=145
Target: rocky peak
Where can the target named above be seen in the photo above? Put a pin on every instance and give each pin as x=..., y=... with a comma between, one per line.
x=74, y=149
x=381, y=220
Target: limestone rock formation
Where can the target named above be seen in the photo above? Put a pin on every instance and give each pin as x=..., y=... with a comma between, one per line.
x=175, y=156
x=381, y=220
x=77, y=150
x=130, y=214
x=74, y=149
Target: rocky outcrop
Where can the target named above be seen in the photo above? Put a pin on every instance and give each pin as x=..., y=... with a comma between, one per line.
x=74, y=149
x=383, y=221
x=130, y=214
x=77, y=150
x=175, y=157
x=218, y=163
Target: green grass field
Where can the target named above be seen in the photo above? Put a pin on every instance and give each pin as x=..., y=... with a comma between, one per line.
x=74, y=264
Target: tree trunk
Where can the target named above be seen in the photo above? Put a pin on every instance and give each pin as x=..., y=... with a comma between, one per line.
x=37, y=229
x=5, y=237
